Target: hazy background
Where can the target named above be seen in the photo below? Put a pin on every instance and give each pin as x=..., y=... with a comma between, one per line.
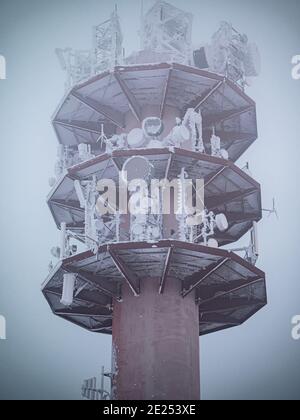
x=44, y=357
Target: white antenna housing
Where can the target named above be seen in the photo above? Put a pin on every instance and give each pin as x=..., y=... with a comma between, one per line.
x=68, y=289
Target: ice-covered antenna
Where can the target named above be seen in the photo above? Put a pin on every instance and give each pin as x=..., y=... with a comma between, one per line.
x=168, y=30
x=246, y=169
x=251, y=251
x=91, y=392
x=102, y=136
x=273, y=210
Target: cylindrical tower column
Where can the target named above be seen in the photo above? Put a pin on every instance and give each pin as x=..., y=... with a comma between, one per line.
x=156, y=344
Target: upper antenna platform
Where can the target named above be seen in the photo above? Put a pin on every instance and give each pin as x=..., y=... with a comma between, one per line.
x=167, y=29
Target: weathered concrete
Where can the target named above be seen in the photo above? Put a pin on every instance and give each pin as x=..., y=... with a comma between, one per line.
x=156, y=344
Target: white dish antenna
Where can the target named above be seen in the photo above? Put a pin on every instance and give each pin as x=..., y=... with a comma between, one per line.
x=153, y=127
x=222, y=222
x=136, y=138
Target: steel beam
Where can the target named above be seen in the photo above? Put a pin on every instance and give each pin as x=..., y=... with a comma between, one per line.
x=165, y=94
x=94, y=127
x=226, y=116
x=86, y=297
x=221, y=199
x=204, y=275
x=217, y=319
x=166, y=270
x=113, y=116
x=97, y=282
x=204, y=98
x=208, y=291
x=250, y=283
x=133, y=103
x=129, y=277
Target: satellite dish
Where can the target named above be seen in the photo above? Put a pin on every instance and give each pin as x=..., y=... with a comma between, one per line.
x=212, y=243
x=136, y=138
x=221, y=222
x=224, y=154
x=152, y=126
x=137, y=167
x=180, y=133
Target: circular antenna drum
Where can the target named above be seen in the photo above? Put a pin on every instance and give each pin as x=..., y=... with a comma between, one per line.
x=221, y=222
x=136, y=167
x=136, y=138
x=153, y=127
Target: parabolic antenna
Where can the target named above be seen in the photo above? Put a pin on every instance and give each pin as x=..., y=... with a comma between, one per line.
x=136, y=138
x=137, y=167
x=152, y=127
x=221, y=222
x=180, y=133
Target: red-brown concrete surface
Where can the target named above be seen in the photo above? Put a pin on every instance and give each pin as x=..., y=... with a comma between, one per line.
x=156, y=344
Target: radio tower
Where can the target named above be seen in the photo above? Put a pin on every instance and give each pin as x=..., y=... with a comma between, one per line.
x=153, y=281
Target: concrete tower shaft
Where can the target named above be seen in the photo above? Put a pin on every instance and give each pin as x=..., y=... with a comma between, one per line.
x=156, y=344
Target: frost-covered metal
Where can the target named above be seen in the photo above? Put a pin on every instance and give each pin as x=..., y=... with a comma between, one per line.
x=125, y=274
